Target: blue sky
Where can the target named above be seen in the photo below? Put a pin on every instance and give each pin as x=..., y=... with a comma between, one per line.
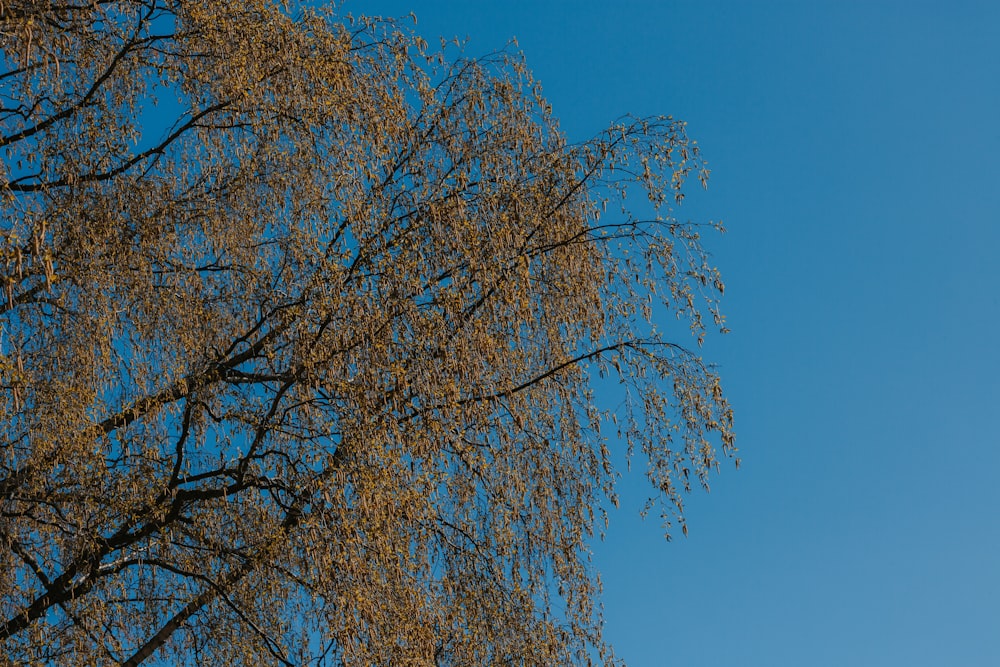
x=855, y=155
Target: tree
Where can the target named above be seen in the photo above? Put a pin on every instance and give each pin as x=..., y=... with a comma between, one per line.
x=297, y=331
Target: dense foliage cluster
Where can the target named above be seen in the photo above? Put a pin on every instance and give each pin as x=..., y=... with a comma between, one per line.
x=297, y=324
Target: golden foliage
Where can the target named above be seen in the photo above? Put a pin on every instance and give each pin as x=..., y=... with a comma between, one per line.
x=297, y=326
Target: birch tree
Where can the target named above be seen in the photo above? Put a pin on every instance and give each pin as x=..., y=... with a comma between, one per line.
x=299, y=323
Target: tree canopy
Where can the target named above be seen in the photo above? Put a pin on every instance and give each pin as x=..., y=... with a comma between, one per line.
x=298, y=325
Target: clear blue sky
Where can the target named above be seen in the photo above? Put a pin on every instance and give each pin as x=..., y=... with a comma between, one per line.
x=855, y=151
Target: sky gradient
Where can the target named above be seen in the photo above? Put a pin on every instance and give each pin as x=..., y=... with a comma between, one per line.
x=855, y=156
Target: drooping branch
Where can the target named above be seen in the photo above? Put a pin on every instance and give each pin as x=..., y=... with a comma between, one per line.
x=293, y=517
x=104, y=77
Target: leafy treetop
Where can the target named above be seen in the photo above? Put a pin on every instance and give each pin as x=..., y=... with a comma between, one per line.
x=297, y=324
